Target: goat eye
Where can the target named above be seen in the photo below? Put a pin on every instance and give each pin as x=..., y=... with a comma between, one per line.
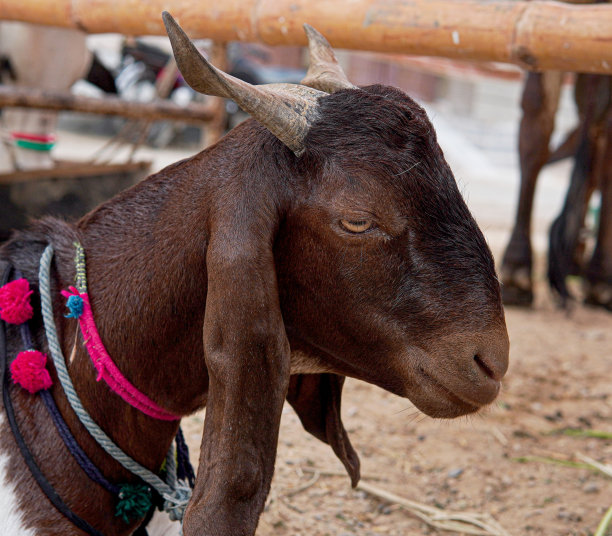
x=356, y=226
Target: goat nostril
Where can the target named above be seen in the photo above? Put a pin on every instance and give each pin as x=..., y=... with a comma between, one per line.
x=486, y=369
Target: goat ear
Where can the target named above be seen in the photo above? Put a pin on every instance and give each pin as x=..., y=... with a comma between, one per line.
x=316, y=400
x=248, y=362
x=324, y=72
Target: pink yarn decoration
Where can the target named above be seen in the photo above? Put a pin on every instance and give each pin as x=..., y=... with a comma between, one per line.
x=28, y=370
x=15, y=307
x=107, y=370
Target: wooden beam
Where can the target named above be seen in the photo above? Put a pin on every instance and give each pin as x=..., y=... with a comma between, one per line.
x=71, y=170
x=22, y=97
x=535, y=35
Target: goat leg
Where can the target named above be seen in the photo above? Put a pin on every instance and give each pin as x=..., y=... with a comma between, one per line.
x=599, y=270
x=248, y=361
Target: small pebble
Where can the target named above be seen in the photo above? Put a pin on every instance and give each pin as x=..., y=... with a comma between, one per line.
x=385, y=510
x=554, y=417
x=591, y=487
x=454, y=473
x=569, y=516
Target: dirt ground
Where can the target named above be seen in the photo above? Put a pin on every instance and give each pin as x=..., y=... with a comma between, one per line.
x=500, y=462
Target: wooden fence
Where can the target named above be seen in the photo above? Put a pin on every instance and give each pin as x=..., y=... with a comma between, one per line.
x=535, y=35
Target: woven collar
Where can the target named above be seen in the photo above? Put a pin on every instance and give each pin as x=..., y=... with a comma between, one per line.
x=176, y=492
x=35, y=470
x=80, y=308
x=133, y=500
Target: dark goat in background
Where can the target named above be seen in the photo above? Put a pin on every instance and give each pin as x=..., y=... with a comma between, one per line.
x=326, y=238
x=591, y=147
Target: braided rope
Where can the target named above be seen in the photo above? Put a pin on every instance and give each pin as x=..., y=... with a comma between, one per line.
x=176, y=504
x=175, y=499
x=79, y=261
x=75, y=449
x=171, y=467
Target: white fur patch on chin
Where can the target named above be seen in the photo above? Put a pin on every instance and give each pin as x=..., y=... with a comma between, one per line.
x=11, y=518
x=160, y=525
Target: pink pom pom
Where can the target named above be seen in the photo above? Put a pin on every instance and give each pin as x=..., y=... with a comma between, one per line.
x=28, y=370
x=15, y=307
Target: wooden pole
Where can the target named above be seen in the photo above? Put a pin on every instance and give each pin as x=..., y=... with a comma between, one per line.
x=214, y=130
x=47, y=100
x=535, y=35
x=75, y=170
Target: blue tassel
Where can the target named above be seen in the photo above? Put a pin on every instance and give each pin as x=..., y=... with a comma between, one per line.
x=75, y=304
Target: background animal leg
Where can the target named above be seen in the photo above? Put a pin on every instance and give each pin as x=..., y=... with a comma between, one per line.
x=599, y=271
x=564, y=253
x=539, y=103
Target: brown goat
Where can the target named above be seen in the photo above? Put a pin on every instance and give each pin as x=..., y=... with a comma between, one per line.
x=326, y=238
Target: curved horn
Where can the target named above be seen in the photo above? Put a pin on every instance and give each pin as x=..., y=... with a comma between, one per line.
x=324, y=72
x=286, y=110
